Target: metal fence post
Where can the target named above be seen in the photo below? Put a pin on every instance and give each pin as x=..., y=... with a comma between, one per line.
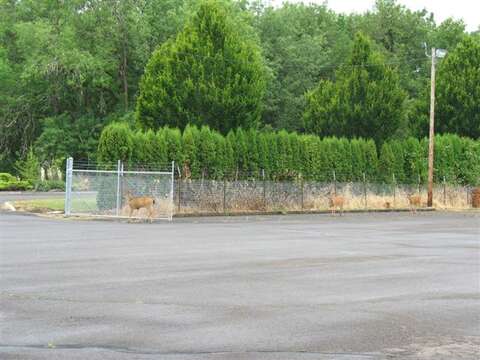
x=365, y=190
x=172, y=202
x=68, y=186
x=119, y=169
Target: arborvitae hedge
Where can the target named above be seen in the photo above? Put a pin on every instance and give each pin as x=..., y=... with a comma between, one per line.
x=281, y=155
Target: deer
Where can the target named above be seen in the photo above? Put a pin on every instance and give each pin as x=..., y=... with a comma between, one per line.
x=336, y=201
x=137, y=203
x=414, y=201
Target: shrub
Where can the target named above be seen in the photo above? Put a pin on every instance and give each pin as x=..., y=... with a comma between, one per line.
x=115, y=143
x=29, y=168
x=49, y=185
x=284, y=155
x=8, y=182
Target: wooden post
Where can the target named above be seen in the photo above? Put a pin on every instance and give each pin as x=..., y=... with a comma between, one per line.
x=431, y=132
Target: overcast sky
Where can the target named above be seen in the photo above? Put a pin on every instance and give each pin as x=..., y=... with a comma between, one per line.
x=468, y=10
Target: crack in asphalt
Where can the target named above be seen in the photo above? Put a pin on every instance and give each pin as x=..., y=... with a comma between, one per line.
x=159, y=352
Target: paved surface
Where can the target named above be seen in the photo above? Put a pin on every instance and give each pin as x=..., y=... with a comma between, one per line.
x=364, y=286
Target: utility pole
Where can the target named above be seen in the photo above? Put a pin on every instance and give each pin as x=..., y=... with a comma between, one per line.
x=436, y=53
x=431, y=132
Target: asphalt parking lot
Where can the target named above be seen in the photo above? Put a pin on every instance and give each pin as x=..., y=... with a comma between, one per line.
x=361, y=286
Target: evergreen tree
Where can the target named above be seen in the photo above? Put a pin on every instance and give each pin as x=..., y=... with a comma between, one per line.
x=221, y=161
x=284, y=155
x=231, y=155
x=386, y=164
x=470, y=163
x=273, y=157
x=115, y=143
x=322, y=111
x=296, y=167
x=210, y=74
x=358, y=159
x=413, y=160
x=241, y=148
x=190, y=151
x=173, y=145
x=458, y=90
x=253, y=155
x=371, y=161
x=139, y=151
x=159, y=149
x=29, y=168
x=262, y=146
x=399, y=163
x=366, y=99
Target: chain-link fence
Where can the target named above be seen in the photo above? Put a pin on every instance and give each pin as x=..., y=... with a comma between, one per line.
x=119, y=190
x=257, y=194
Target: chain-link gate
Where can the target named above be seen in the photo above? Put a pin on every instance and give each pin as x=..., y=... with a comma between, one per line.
x=111, y=190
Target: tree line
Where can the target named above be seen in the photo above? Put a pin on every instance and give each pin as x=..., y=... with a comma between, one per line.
x=243, y=154
x=69, y=69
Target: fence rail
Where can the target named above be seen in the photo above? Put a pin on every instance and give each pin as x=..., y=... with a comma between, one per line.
x=105, y=190
x=222, y=196
x=99, y=190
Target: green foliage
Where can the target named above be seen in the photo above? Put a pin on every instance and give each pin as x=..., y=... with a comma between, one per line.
x=49, y=185
x=29, y=168
x=300, y=42
x=386, y=164
x=289, y=156
x=190, y=150
x=365, y=99
x=117, y=143
x=458, y=90
x=211, y=74
x=169, y=141
x=8, y=182
x=413, y=156
x=371, y=160
x=67, y=71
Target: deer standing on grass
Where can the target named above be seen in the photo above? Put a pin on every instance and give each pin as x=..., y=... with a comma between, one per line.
x=414, y=201
x=137, y=203
x=336, y=201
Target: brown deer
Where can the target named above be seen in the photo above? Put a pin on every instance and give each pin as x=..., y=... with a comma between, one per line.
x=336, y=201
x=137, y=203
x=414, y=201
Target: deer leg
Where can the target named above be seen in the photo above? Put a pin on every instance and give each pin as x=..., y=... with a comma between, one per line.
x=150, y=213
